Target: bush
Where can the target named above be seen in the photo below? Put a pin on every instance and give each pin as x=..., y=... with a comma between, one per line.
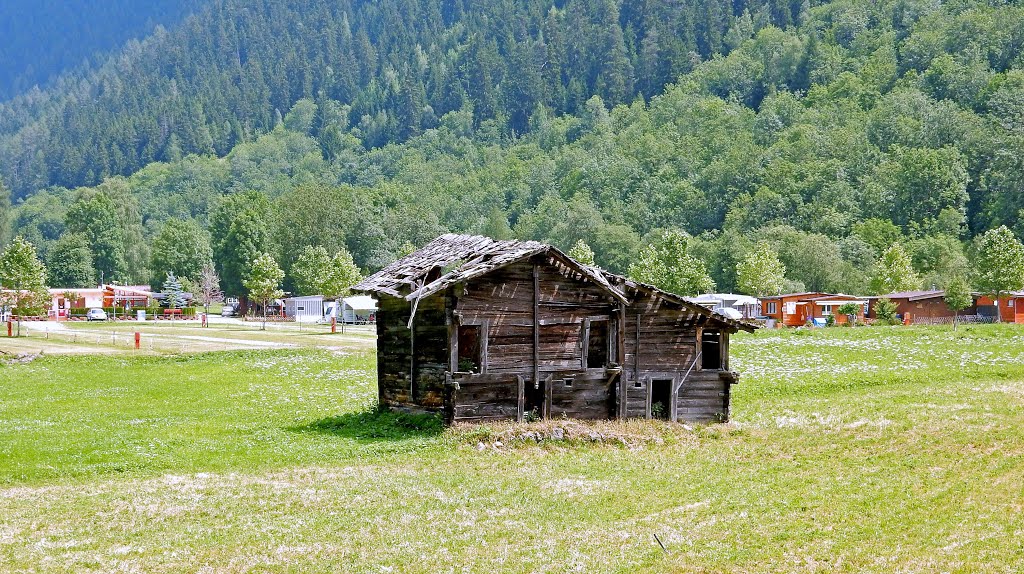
x=885, y=312
x=29, y=312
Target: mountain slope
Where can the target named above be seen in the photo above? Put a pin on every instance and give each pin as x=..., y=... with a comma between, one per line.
x=388, y=69
x=42, y=38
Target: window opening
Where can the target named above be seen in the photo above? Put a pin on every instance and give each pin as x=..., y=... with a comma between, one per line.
x=711, y=350
x=469, y=349
x=597, y=345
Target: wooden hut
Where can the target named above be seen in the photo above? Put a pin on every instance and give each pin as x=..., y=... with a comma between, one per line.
x=488, y=330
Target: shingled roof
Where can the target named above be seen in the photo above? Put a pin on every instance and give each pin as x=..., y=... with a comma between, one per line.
x=453, y=258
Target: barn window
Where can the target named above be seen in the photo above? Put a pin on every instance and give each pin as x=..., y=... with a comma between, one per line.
x=711, y=350
x=637, y=385
x=772, y=309
x=567, y=382
x=470, y=349
x=597, y=345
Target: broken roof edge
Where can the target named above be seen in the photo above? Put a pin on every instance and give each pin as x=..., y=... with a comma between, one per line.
x=501, y=253
x=683, y=301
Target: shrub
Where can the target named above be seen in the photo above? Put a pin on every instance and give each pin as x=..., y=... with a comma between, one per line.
x=885, y=312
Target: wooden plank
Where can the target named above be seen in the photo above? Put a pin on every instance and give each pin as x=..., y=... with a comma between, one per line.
x=585, y=344
x=484, y=328
x=521, y=398
x=536, y=324
x=546, y=407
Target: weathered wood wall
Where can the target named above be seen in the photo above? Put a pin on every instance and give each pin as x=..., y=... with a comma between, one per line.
x=658, y=341
x=589, y=395
x=481, y=398
x=704, y=397
x=504, y=298
x=401, y=381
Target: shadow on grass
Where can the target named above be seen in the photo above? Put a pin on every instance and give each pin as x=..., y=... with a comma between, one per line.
x=375, y=424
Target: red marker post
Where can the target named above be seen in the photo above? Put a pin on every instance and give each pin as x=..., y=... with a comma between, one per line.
x=10, y=329
x=334, y=325
x=138, y=340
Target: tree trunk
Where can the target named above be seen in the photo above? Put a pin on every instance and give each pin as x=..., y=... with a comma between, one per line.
x=956, y=319
x=264, y=327
x=999, y=310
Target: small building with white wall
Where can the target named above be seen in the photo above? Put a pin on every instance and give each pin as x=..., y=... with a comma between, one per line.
x=308, y=309
x=731, y=305
x=358, y=309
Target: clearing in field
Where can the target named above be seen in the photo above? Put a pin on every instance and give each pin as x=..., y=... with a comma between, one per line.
x=867, y=449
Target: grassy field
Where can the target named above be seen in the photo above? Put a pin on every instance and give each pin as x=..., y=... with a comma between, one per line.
x=869, y=449
x=182, y=337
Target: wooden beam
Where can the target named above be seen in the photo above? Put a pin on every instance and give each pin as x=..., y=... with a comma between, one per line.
x=546, y=406
x=412, y=355
x=453, y=343
x=636, y=363
x=621, y=359
x=485, y=327
x=536, y=325
x=521, y=399
x=585, y=344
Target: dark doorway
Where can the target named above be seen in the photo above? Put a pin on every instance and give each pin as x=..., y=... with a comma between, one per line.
x=469, y=349
x=533, y=400
x=711, y=350
x=661, y=399
x=597, y=345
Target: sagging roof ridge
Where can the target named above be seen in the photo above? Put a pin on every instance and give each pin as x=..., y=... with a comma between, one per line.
x=478, y=255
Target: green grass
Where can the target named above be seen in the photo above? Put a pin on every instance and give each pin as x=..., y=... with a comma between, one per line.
x=866, y=449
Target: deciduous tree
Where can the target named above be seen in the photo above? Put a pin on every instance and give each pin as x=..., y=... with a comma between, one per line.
x=582, y=253
x=761, y=273
x=894, y=272
x=209, y=287
x=666, y=265
x=24, y=278
x=999, y=262
x=182, y=247
x=263, y=282
x=69, y=263
x=958, y=297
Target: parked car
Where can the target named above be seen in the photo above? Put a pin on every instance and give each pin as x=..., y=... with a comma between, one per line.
x=227, y=311
x=96, y=315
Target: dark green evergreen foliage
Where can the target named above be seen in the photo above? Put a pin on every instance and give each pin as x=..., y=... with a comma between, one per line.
x=230, y=71
x=829, y=130
x=42, y=38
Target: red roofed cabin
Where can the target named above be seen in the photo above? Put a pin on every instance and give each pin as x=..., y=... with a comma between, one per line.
x=485, y=330
x=923, y=306
x=797, y=309
x=1011, y=306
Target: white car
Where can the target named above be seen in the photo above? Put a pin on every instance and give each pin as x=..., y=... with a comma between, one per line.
x=96, y=315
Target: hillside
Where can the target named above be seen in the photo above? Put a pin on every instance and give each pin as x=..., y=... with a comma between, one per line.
x=847, y=130
x=43, y=38
x=393, y=68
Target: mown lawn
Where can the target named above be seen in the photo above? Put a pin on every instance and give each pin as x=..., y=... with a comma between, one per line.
x=868, y=449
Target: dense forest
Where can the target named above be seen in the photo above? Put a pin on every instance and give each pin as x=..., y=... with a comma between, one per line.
x=829, y=131
x=228, y=74
x=43, y=38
